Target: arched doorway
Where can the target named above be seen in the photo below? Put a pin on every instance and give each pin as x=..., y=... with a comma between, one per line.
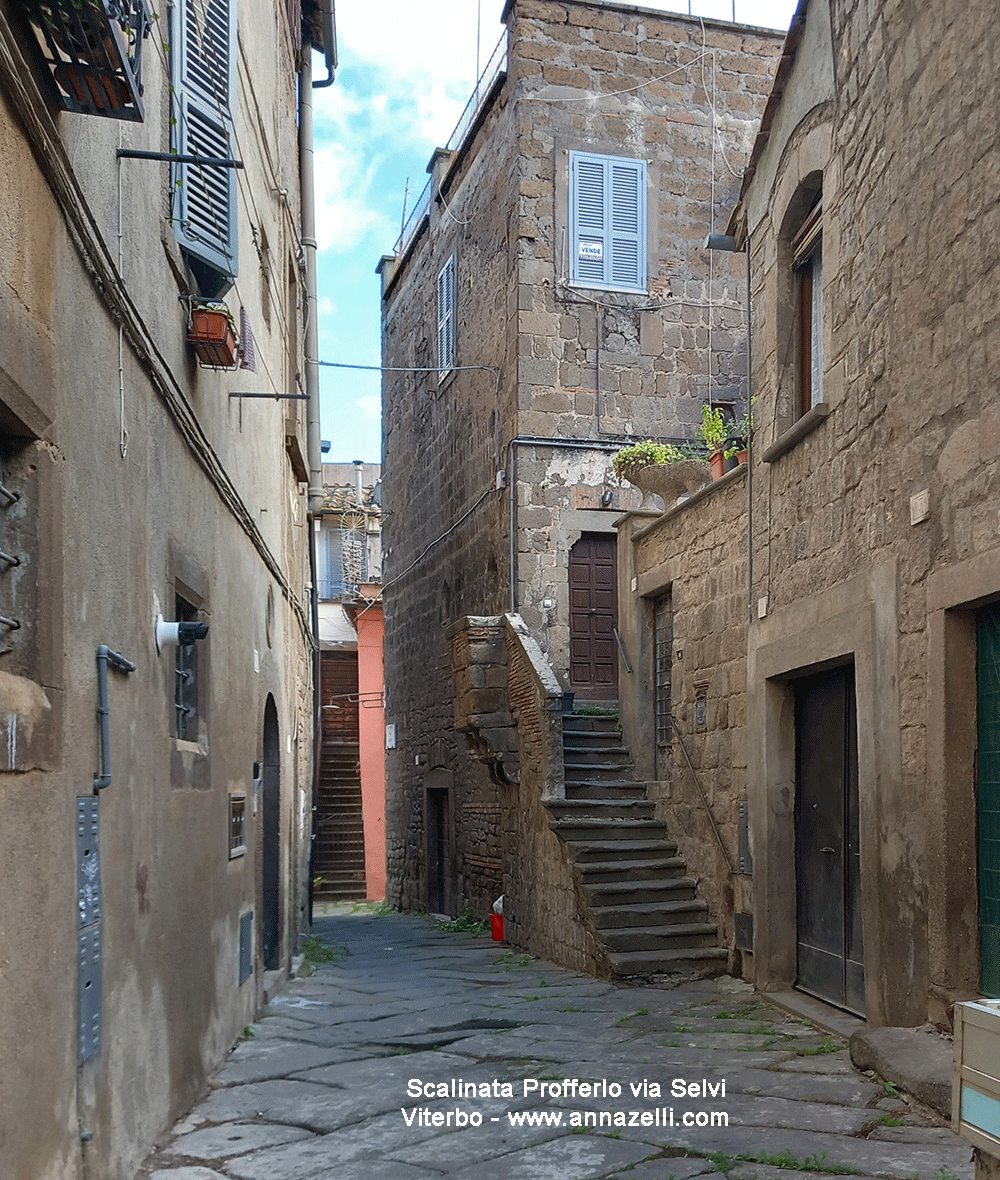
x=270, y=907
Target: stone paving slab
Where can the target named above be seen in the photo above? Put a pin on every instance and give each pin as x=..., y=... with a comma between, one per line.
x=320, y=1091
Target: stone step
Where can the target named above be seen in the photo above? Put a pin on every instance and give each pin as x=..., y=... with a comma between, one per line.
x=649, y=868
x=625, y=851
x=603, y=723
x=578, y=790
x=585, y=739
x=585, y=831
x=677, y=936
x=640, y=892
x=604, y=772
x=593, y=749
x=707, y=960
x=664, y=913
x=602, y=809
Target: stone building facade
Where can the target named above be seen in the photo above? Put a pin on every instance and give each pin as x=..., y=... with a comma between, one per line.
x=874, y=558
x=682, y=590
x=155, y=795
x=552, y=296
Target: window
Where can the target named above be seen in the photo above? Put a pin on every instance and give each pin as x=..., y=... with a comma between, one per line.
x=807, y=262
x=607, y=217
x=446, y=318
x=237, y=825
x=187, y=695
x=203, y=41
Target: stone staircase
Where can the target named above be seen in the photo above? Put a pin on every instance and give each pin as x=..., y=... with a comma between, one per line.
x=643, y=904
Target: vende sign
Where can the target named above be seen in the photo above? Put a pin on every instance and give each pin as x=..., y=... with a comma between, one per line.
x=591, y=252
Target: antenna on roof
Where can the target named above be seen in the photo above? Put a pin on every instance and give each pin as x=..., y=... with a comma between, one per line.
x=406, y=197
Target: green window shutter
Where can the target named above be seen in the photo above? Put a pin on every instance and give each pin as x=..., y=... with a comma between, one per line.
x=607, y=222
x=446, y=318
x=203, y=44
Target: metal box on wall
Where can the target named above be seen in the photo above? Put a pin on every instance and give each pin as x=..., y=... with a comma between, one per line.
x=975, y=1103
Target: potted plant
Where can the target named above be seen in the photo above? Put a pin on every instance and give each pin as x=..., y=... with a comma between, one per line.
x=713, y=432
x=737, y=445
x=660, y=469
x=212, y=334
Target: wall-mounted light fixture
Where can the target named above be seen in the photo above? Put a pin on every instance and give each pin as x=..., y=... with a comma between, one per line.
x=183, y=633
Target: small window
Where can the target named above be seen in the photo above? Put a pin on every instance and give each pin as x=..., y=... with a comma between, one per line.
x=187, y=698
x=607, y=214
x=446, y=318
x=807, y=248
x=237, y=825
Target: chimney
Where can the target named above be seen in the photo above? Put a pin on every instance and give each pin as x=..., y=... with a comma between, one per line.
x=359, y=467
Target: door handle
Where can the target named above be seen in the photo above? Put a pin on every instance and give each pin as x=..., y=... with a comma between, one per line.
x=828, y=850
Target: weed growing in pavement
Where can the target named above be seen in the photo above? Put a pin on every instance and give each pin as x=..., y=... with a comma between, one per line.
x=783, y=1159
x=888, y=1120
x=613, y=1135
x=524, y=960
x=384, y=907
x=317, y=952
x=828, y=1045
x=505, y=959
x=631, y=1016
x=467, y=923
x=249, y=1032
x=739, y=1014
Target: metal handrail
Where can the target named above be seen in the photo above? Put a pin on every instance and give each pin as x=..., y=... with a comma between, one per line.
x=496, y=65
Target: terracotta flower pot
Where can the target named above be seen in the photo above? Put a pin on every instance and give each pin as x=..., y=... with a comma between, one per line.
x=213, y=338
x=717, y=462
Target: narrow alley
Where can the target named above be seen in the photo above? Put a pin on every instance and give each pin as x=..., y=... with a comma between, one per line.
x=340, y=1077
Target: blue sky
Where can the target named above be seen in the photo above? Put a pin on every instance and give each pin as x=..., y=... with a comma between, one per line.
x=407, y=68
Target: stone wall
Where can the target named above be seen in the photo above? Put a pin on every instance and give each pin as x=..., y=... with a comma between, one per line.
x=696, y=552
x=875, y=534
x=597, y=365
x=546, y=910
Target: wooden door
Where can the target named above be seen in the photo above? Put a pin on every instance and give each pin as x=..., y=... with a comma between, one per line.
x=988, y=796
x=828, y=866
x=593, y=605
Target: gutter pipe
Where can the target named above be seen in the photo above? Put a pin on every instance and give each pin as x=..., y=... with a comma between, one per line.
x=329, y=24
x=106, y=656
x=308, y=204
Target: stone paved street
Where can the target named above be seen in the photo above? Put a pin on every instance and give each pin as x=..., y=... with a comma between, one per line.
x=319, y=1092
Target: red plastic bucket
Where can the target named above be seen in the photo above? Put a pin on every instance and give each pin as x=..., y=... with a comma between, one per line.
x=496, y=922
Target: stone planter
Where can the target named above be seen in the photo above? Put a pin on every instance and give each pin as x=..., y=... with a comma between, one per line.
x=670, y=481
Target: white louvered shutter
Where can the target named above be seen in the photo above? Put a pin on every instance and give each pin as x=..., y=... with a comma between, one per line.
x=446, y=318
x=204, y=50
x=607, y=222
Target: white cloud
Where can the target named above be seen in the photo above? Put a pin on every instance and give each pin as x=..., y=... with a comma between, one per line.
x=345, y=212
x=370, y=407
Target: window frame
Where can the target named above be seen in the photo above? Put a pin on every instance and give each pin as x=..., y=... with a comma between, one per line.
x=446, y=317
x=605, y=230
x=807, y=268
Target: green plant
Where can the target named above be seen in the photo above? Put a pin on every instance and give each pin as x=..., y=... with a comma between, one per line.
x=713, y=430
x=723, y=1162
x=828, y=1045
x=249, y=1032
x=316, y=951
x=383, y=907
x=634, y=458
x=466, y=923
x=524, y=960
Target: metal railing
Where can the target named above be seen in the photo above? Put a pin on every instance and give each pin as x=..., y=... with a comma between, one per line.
x=496, y=66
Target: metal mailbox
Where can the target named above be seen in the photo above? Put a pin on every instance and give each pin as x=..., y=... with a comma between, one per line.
x=975, y=1103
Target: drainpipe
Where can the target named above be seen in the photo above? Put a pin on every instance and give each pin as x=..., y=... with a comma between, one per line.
x=106, y=656
x=308, y=203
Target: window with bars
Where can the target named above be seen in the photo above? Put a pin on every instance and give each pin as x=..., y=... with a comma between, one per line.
x=607, y=222
x=446, y=318
x=663, y=652
x=203, y=41
x=186, y=703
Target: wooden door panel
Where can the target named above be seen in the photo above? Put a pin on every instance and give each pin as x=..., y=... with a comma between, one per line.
x=593, y=595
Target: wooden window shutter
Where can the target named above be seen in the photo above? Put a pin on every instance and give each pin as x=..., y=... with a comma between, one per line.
x=607, y=222
x=203, y=43
x=446, y=318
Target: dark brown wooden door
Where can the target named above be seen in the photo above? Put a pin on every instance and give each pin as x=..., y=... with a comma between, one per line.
x=593, y=609
x=828, y=865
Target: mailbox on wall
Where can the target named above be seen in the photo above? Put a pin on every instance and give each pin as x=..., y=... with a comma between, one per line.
x=975, y=1103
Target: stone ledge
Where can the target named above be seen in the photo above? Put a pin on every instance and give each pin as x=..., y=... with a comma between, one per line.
x=918, y=1061
x=805, y=425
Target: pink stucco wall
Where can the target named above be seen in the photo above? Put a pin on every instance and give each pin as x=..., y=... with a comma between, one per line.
x=371, y=726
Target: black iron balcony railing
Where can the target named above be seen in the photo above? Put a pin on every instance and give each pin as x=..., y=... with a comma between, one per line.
x=93, y=50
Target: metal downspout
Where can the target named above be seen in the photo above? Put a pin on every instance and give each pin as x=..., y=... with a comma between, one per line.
x=311, y=344
x=106, y=656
